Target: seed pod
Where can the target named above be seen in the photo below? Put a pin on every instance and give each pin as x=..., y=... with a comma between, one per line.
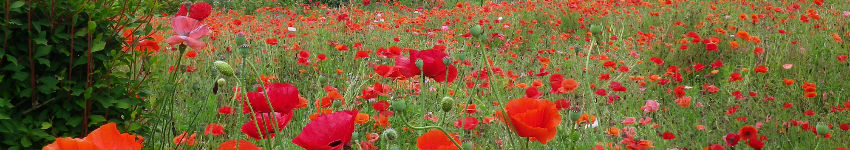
x=822, y=128
x=390, y=134
x=447, y=104
x=224, y=68
x=476, y=31
x=596, y=29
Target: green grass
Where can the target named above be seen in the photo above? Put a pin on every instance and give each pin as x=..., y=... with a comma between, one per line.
x=195, y=105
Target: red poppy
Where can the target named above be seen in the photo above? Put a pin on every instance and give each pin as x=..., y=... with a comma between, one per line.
x=106, y=137
x=362, y=54
x=436, y=140
x=668, y=136
x=469, y=123
x=562, y=104
x=616, y=86
x=263, y=122
x=433, y=64
x=756, y=144
x=215, y=129
x=731, y=139
x=376, y=90
x=331, y=131
x=238, y=145
x=381, y=105
x=761, y=69
x=536, y=119
x=225, y=110
x=844, y=127
x=283, y=97
x=200, y=11
x=532, y=92
x=271, y=41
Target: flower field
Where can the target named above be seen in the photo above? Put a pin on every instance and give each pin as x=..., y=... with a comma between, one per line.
x=442, y=75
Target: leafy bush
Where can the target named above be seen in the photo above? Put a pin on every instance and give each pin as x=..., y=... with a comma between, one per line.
x=58, y=73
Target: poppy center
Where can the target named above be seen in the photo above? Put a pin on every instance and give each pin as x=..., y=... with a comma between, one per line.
x=335, y=143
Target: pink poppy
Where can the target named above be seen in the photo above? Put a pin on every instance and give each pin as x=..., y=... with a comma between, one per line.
x=188, y=30
x=650, y=106
x=628, y=121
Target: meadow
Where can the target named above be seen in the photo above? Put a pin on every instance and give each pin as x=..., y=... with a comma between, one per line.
x=570, y=74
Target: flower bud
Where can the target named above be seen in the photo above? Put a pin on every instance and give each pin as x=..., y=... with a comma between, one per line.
x=476, y=31
x=389, y=134
x=447, y=61
x=221, y=81
x=224, y=68
x=399, y=105
x=447, y=104
x=822, y=128
x=468, y=145
x=420, y=63
x=596, y=29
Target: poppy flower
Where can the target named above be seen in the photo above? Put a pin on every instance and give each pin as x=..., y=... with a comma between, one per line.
x=215, y=129
x=185, y=138
x=668, y=136
x=756, y=144
x=650, y=106
x=271, y=41
x=616, y=86
x=536, y=119
x=748, y=132
x=532, y=92
x=560, y=85
x=283, y=97
x=330, y=131
x=200, y=11
x=469, y=123
x=562, y=104
x=188, y=30
x=261, y=126
x=731, y=139
x=238, y=145
x=433, y=64
x=628, y=121
x=106, y=137
x=381, y=105
x=435, y=139
x=225, y=110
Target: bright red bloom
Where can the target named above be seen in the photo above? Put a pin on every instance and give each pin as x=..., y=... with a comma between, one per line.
x=616, y=86
x=271, y=41
x=376, y=90
x=844, y=127
x=283, y=97
x=668, y=136
x=469, y=123
x=183, y=10
x=191, y=54
x=200, y=11
x=532, y=92
x=238, y=145
x=731, y=139
x=331, y=131
x=106, y=137
x=756, y=144
x=761, y=69
x=536, y=119
x=748, y=132
x=381, y=105
x=562, y=104
x=215, y=129
x=436, y=140
x=225, y=110
x=433, y=65
x=261, y=126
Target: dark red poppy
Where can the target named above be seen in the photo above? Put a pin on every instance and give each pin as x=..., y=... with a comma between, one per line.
x=433, y=64
x=283, y=97
x=616, y=86
x=731, y=139
x=562, y=104
x=844, y=127
x=381, y=105
x=756, y=144
x=214, y=129
x=261, y=126
x=532, y=92
x=200, y=11
x=183, y=10
x=668, y=136
x=331, y=131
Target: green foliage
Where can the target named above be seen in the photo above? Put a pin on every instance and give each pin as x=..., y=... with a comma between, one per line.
x=247, y=6
x=56, y=70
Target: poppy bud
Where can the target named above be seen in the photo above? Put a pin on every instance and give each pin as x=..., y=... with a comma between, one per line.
x=420, y=63
x=394, y=147
x=355, y=135
x=447, y=103
x=476, y=31
x=468, y=145
x=223, y=67
x=447, y=61
x=240, y=38
x=822, y=128
x=221, y=81
x=389, y=134
x=337, y=103
x=595, y=29
x=575, y=115
x=398, y=105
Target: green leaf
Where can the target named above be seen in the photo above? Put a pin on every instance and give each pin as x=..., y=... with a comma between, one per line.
x=17, y=4
x=43, y=62
x=48, y=84
x=92, y=26
x=98, y=45
x=25, y=141
x=123, y=104
x=81, y=32
x=43, y=51
x=41, y=39
x=96, y=119
x=46, y=125
x=20, y=76
x=4, y=116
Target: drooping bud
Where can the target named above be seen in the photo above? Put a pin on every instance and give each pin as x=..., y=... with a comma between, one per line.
x=822, y=128
x=476, y=31
x=224, y=68
x=596, y=29
x=389, y=134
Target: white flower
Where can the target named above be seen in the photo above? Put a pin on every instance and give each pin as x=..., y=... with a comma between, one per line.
x=293, y=29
